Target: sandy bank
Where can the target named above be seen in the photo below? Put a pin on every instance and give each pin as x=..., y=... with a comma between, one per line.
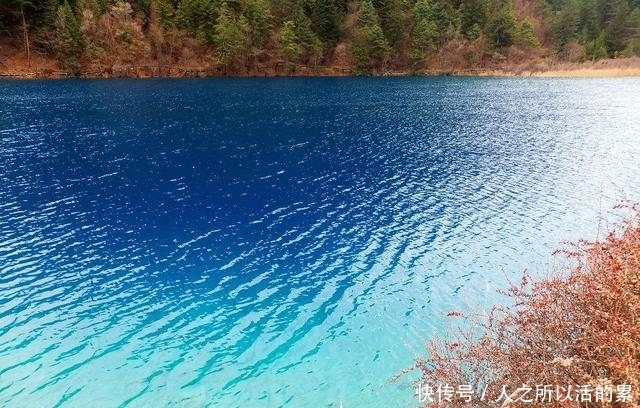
x=47, y=68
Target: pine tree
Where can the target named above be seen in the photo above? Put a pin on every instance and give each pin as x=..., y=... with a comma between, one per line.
x=197, y=18
x=390, y=15
x=69, y=40
x=503, y=27
x=565, y=26
x=632, y=47
x=367, y=16
x=308, y=40
x=424, y=33
x=474, y=15
x=369, y=47
x=325, y=19
x=230, y=36
x=527, y=35
x=290, y=43
x=596, y=49
x=259, y=18
x=99, y=7
x=616, y=17
x=165, y=13
x=433, y=23
x=589, y=21
x=445, y=17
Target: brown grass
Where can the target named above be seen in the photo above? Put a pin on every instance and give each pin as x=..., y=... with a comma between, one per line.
x=603, y=68
x=579, y=329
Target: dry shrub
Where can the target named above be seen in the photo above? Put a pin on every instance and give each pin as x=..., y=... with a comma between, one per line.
x=573, y=52
x=579, y=330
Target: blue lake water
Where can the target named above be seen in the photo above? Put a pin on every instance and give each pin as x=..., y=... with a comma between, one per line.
x=281, y=242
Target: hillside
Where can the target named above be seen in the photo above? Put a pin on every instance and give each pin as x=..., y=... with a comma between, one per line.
x=302, y=37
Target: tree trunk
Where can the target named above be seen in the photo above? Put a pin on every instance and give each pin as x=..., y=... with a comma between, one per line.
x=156, y=31
x=25, y=30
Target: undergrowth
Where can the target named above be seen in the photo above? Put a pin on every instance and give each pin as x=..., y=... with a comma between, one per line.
x=572, y=340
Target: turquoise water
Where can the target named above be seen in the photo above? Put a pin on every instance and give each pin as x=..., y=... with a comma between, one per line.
x=281, y=242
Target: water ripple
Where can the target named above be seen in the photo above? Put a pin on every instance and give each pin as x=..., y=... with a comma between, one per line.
x=280, y=243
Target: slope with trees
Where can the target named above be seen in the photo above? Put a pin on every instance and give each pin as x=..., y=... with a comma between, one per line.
x=240, y=37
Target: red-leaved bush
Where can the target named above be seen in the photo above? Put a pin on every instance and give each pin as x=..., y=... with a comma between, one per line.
x=569, y=341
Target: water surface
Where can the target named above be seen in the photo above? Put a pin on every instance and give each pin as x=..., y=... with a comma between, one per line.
x=281, y=242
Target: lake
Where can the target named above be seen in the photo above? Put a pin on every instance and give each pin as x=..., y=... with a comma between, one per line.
x=282, y=242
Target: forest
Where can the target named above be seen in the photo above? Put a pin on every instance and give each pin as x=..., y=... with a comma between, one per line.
x=240, y=37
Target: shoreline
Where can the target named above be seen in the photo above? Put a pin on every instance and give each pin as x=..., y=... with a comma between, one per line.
x=609, y=68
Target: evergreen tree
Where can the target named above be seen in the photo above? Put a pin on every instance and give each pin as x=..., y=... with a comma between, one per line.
x=230, y=36
x=165, y=13
x=325, y=19
x=259, y=18
x=99, y=7
x=444, y=17
x=308, y=40
x=390, y=16
x=69, y=40
x=424, y=33
x=616, y=16
x=369, y=47
x=290, y=43
x=596, y=49
x=197, y=18
x=566, y=23
x=589, y=22
x=503, y=27
x=527, y=35
x=474, y=15
x=632, y=47
x=433, y=22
